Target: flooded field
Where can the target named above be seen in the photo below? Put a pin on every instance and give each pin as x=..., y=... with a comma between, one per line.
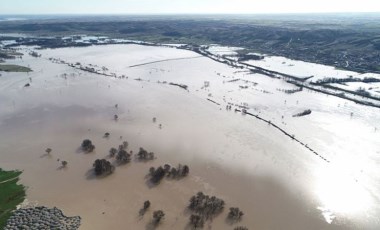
x=323, y=175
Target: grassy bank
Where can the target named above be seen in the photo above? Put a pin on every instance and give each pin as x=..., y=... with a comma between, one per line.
x=11, y=194
x=14, y=68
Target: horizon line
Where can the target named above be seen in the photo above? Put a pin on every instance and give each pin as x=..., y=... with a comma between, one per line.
x=179, y=14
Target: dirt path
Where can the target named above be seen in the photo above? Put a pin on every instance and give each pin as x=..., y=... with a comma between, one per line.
x=5, y=181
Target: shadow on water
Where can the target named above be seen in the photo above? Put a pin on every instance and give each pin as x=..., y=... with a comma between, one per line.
x=90, y=175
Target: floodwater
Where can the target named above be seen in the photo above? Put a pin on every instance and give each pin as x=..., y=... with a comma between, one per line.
x=277, y=182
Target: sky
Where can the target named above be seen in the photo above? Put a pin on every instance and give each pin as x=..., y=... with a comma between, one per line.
x=185, y=6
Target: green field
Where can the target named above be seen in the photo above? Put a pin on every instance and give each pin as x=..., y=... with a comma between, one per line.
x=11, y=194
x=14, y=68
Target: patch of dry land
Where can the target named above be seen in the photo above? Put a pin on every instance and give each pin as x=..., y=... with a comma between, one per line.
x=324, y=175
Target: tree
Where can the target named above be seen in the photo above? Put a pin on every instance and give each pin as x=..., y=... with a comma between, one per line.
x=87, y=145
x=144, y=208
x=241, y=228
x=173, y=172
x=235, y=215
x=123, y=157
x=206, y=206
x=167, y=168
x=106, y=135
x=64, y=164
x=116, y=117
x=179, y=172
x=125, y=144
x=113, y=152
x=184, y=171
x=146, y=204
x=143, y=155
x=103, y=167
x=196, y=221
x=48, y=150
x=157, y=175
x=158, y=216
x=151, y=171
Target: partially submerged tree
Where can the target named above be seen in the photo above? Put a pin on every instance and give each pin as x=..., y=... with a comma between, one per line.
x=206, y=206
x=179, y=172
x=103, y=167
x=123, y=157
x=113, y=152
x=167, y=168
x=158, y=216
x=196, y=221
x=125, y=144
x=144, y=208
x=48, y=150
x=235, y=215
x=241, y=228
x=144, y=155
x=87, y=145
x=64, y=164
x=156, y=175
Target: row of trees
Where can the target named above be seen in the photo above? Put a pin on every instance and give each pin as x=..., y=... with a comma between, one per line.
x=121, y=155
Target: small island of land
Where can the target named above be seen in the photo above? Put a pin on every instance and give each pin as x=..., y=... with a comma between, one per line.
x=14, y=68
x=11, y=194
